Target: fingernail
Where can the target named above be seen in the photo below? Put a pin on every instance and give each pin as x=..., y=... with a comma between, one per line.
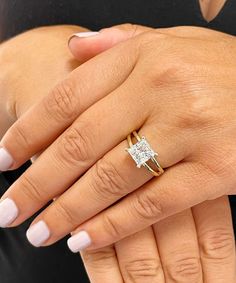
x=38, y=234
x=8, y=212
x=6, y=159
x=86, y=34
x=79, y=242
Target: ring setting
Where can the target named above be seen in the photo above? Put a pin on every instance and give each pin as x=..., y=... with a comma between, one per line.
x=142, y=153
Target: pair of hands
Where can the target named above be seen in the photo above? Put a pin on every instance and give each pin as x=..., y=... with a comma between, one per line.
x=88, y=81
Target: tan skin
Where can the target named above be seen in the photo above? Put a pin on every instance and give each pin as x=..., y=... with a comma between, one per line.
x=211, y=8
x=15, y=85
x=138, y=257
x=134, y=270
x=210, y=157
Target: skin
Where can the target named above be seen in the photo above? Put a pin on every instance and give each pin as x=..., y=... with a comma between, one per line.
x=174, y=81
x=32, y=66
x=181, y=248
x=211, y=8
x=214, y=231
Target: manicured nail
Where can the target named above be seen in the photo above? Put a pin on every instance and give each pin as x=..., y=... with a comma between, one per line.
x=38, y=234
x=86, y=34
x=6, y=159
x=8, y=212
x=79, y=242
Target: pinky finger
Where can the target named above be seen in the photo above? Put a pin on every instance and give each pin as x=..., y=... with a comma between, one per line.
x=216, y=240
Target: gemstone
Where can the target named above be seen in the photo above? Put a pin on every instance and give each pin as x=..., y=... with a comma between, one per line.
x=141, y=152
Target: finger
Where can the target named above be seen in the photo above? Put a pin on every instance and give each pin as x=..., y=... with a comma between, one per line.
x=77, y=149
x=138, y=258
x=110, y=179
x=85, y=45
x=179, y=188
x=216, y=240
x=102, y=265
x=40, y=126
x=178, y=247
x=192, y=32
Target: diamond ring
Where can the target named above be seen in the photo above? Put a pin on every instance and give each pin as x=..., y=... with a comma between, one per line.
x=141, y=152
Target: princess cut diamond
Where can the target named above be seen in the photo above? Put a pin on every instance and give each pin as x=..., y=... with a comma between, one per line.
x=141, y=152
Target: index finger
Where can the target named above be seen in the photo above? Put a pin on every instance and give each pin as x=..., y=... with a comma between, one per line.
x=44, y=122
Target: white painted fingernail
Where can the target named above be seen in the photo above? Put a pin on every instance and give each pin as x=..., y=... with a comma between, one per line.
x=6, y=159
x=86, y=34
x=8, y=212
x=79, y=242
x=38, y=234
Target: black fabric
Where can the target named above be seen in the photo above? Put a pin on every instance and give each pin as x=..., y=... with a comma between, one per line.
x=19, y=262
x=20, y=15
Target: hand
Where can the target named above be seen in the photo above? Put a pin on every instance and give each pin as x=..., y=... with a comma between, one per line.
x=30, y=69
x=137, y=255
x=192, y=246
x=157, y=66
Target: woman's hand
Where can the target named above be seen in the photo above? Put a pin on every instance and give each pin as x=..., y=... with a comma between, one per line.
x=195, y=245
x=31, y=64
x=170, y=84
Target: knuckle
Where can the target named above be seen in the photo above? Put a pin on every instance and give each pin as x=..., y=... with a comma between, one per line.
x=19, y=134
x=102, y=258
x=152, y=37
x=32, y=190
x=147, y=44
x=111, y=227
x=74, y=146
x=142, y=269
x=63, y=211
x=187, y=120
x=132, y=29
x=148, y=206
x=175, y=73
x=180, y=29
x=196, y=113
x=186, y=269
x=62, y=102
x=107, y=180
x=128, y=26
x=217, y=244
x=176, y=68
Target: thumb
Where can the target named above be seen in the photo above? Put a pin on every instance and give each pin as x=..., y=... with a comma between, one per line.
x=86, y=45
